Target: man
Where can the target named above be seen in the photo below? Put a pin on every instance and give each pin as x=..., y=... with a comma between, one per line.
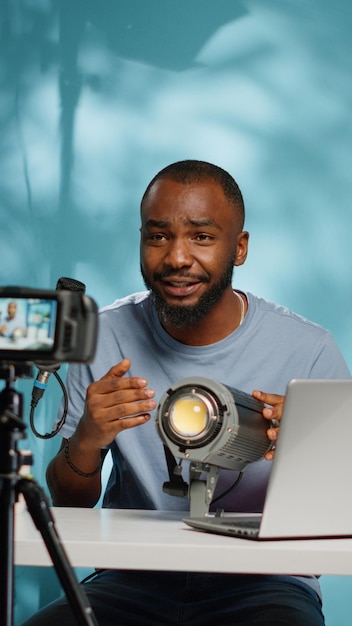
x=13, y=323
x=191, y=322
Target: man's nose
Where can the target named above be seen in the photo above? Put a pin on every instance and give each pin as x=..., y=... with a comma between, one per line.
x=179, y=254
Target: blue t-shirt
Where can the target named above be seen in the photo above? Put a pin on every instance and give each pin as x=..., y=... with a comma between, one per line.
x=272, y=346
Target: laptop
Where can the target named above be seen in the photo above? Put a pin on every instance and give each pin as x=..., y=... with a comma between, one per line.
x=309, y=493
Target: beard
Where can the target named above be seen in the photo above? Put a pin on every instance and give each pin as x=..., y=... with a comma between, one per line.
x=188, y=316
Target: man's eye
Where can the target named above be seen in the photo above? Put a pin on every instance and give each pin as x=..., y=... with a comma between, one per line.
x=156, y=237
x=203, y=237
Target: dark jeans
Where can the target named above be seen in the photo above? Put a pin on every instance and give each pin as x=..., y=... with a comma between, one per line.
x=130, y=598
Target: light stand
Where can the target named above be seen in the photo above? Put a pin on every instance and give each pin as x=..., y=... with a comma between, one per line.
x=12, y=429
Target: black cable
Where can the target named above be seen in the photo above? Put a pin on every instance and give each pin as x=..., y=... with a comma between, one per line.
x=234, y=484
x=92, y=575
x=63, y=418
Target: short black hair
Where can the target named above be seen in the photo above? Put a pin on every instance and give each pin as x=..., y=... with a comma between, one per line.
x=192, y=171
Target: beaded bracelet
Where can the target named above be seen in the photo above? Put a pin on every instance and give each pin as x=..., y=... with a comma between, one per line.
x=73, y=466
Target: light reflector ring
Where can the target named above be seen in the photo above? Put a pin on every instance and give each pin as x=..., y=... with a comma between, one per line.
x=192, y=416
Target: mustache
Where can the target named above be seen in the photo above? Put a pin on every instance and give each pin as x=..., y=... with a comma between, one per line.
x=201, y=278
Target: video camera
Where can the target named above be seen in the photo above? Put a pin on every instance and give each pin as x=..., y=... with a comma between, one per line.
x=47, y=326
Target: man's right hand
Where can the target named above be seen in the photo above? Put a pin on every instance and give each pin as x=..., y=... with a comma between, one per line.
x=115, y=403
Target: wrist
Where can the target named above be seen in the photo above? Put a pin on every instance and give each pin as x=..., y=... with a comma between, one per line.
x=78, y=470
x=82, y=453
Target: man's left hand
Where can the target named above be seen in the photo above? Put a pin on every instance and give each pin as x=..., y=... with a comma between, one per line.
x=272, y=412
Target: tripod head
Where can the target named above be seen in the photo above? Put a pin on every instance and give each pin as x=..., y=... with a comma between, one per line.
x=11, y=371
x=12, y=426
x=11, y=401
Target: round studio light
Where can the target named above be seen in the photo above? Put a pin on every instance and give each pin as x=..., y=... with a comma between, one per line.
x=205, y=421
x=191, y=415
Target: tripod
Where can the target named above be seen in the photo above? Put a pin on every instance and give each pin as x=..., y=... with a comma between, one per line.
x=12, y=429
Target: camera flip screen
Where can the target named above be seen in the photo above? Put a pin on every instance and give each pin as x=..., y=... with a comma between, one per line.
x=27, y=324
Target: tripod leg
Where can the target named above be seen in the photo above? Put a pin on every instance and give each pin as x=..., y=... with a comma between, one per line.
x=10, y=432
x=7, y=501
x=39, y=510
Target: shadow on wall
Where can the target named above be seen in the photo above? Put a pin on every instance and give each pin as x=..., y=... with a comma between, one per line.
x=51, y=38
x=162, y=34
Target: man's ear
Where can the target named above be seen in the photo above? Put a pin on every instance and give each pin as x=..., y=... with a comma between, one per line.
x=242, y=248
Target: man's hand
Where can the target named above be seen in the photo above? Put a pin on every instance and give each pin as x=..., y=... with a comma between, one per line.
x=113, y=404
x=272, y=412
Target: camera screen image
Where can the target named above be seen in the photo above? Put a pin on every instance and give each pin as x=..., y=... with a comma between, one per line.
x=27, y=323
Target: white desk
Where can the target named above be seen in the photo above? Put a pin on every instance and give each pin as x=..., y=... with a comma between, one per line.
x=153, y=540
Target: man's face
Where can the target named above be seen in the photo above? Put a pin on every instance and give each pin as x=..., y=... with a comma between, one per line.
x=11, y=309
x=189, y=244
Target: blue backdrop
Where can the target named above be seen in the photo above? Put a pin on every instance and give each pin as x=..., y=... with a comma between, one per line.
x=96, y=97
